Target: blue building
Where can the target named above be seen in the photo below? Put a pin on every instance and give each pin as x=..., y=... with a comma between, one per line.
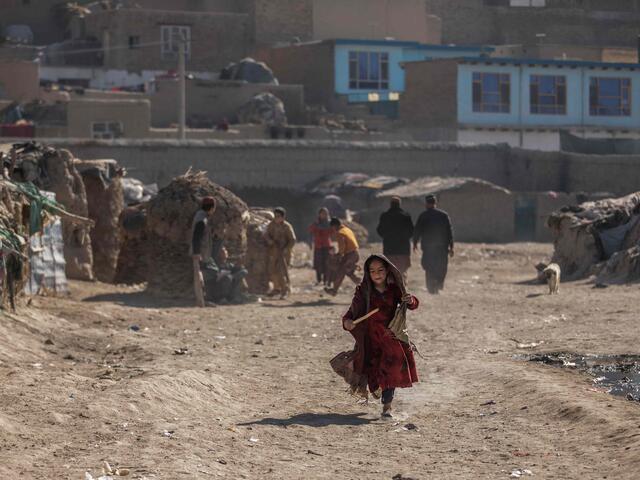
x=526, y=102
x=343, y=73
x=371, y=70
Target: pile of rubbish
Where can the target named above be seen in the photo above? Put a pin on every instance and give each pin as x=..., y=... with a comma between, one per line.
x=250, y=71
x=136, y=192
x=599, y=238
x=55, y=171
x=157, y=234
x=26, y=211
x=263, y=109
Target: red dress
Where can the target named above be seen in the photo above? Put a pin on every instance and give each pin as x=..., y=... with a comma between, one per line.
x=385, y=361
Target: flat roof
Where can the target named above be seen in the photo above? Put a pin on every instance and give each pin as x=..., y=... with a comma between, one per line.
x=418, y=45
x=550, y=62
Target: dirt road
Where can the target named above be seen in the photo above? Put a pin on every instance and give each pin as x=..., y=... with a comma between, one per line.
x=247, y=392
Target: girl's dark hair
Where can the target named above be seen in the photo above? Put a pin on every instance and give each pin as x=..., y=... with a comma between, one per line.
x=280, y=211
x=335, y=222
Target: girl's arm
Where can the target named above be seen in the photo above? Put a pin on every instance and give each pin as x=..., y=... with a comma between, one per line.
x=411, y=301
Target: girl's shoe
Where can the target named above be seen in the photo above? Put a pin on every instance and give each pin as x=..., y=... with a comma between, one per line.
x=377, y=394
x=386, y=410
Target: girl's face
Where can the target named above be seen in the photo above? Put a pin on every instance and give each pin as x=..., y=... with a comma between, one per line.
x=378, y=273
x=323, y=215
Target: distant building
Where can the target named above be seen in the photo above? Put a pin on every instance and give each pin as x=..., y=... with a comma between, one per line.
x=350, y=72
x=136, y=39
x=39, y=16
x=524, y=102
x=497, y=22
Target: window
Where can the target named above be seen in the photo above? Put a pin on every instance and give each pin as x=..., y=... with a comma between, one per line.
x=134, y=41
x=527, y=3
x=171, y=37
x=491, y=92
x=369, y=70
x=610, y=97
x=106, y=130
x=548, y=94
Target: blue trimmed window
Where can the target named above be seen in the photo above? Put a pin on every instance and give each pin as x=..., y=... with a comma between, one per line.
x=548, y=94
x=369, y=70
x=610, y=97
x=491, y=92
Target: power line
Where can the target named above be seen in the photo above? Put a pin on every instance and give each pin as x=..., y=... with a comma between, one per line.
x=108, y=49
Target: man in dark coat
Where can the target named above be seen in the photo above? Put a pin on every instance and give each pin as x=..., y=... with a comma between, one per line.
x=396, y=229
x=433, y=230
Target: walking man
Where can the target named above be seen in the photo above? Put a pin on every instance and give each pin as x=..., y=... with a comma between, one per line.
x=434, y=232
x=396, y=229
x=202, y=246
x=348, y=255
x=281, y=240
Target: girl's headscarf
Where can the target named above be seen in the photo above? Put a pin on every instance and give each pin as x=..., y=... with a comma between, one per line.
x=366, y=286
x=323, y=223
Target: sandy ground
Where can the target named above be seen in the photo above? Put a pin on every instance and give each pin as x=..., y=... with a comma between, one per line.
x=254, y=396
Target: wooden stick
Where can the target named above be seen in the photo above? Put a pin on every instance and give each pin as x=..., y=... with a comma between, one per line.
x=365, y=317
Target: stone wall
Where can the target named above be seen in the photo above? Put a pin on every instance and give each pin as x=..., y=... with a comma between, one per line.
x=292, y=164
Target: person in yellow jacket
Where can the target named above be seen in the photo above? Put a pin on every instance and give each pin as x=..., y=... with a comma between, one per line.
x=348, y=255
x=281, y=239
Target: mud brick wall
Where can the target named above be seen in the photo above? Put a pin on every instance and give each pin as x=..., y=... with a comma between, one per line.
x=602, y=23
x=292, y=164
x=216, y=38
x=281, y=20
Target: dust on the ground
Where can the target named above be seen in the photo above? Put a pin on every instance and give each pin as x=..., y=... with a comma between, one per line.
x=174, y=392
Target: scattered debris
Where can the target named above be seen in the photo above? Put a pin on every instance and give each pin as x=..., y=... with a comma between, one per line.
x=598, y=238
x=490, y=402
x=523, y=346
x=618, y=374
x=181, y=351
x=263, y=109
x=520, y=473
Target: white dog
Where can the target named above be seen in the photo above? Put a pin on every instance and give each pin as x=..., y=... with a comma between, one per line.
x=552, y=273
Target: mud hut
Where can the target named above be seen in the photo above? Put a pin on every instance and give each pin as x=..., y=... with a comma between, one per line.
x=599, y=238
x=168, y=226
x=131, y=267
x=54, y=170
x=256, y=259
x=105, y=200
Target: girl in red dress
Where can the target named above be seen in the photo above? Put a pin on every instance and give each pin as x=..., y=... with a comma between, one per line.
x=379, y=360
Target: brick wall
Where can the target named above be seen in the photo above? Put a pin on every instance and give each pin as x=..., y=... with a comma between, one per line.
x=19, y=81
x=38, y=15
x=311, y=65
x=430, y=96
x=281, y=20
x=216, y=38
x=214, y=101
x=293, y=164
x=610, y=23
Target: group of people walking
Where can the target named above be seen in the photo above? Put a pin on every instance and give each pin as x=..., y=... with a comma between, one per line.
x=432, y=231
x=382, y=359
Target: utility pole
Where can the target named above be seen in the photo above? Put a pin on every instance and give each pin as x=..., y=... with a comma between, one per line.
x=182, y=94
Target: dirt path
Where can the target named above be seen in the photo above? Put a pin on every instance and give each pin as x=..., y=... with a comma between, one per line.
x=254, y=397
